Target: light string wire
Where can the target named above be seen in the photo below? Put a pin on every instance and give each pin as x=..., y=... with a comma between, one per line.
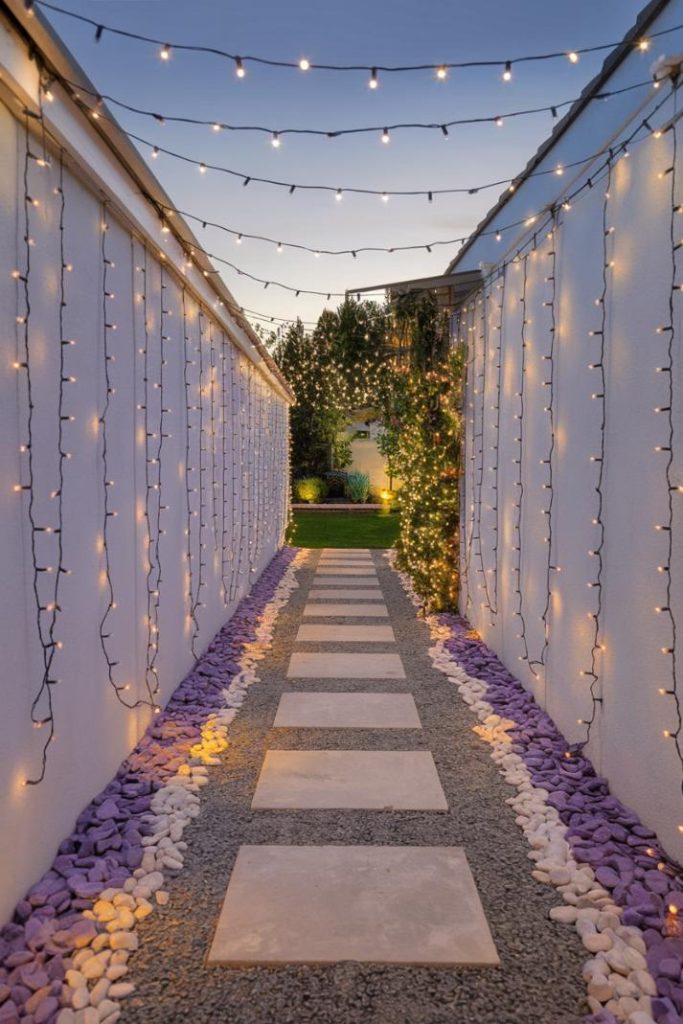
x=439, y=68
x=470, y=378
x=549, y=459
x=276, y=134
x=479, y=457
x=224, y=464
x=108, y=513
x=496, y=446
x=24, y=363
x=618, y=149
x=201, y=545
x=234, y=452
x=669, y=369
x=212, y=421
x=151, y=680
x=600, y=396
x=340, y=191
x=191, y=248
x=519, y=462
x=187, y=362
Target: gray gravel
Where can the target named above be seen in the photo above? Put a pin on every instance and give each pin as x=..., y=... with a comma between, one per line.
x=539, y=981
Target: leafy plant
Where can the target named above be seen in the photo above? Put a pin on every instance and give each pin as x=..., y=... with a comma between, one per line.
x=357, y=487
x=422, y=435
x=311, y=489
x=341, y=452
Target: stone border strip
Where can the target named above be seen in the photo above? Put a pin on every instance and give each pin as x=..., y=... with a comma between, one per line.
x=626, y=913
x=64, y=955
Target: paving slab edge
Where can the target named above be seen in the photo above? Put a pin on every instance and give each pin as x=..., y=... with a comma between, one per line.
x=75, y=973
x=621, y=986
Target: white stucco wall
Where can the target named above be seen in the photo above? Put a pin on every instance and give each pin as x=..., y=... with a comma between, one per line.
x=627, y=741
x=237, y=502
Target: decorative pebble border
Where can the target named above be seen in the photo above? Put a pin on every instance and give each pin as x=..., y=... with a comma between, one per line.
x=620, y=892
x=64, y=955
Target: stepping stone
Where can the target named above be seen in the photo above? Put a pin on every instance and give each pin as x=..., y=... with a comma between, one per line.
x=413, y=905
x=395, y=780
x=347, y=711
x=328, y=563
x=363, y=611
x=370, y=594
x=346, y=551
x=328, y=665
x=309, y=633
x=341, y=581
x=354, y=570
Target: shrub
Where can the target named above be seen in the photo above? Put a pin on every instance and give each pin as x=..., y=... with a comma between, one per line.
x=310, y=489
x=357, y=487
x=336, y=483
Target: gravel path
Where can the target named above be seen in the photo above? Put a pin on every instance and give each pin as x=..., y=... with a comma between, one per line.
x=539, y=981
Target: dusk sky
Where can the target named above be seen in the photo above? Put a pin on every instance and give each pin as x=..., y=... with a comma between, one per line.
x=354, y=32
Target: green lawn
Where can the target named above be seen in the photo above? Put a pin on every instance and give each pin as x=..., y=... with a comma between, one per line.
x=343, y=530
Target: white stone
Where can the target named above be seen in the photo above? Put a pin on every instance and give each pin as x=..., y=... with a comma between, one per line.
x=345, y=593
x=566, y=915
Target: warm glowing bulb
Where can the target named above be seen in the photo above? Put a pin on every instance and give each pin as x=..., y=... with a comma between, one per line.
x=644, y=45
x=499, y=122
x=385, y=135
x=441, y=72
x=573, y=57
x=275, y=140
x=374, y=81
x=216, y=127
x=240, y=70
x=507, y=73
x=304, y=64
x=165, y=52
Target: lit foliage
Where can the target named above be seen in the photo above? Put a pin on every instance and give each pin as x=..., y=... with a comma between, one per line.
x=422, y=432
x=334, y=369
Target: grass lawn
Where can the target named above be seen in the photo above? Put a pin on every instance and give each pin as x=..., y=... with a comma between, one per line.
x=343, y=530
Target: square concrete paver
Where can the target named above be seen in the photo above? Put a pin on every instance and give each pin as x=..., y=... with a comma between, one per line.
x=342, y=581
x=346, y=551
x=324, y=633
x=346, y=563
x=335, y=593
x=372, y=904
x=396, y=780
x=350, y=610
x=347, y=711
x=343, y=570
x=336, y=665
x=369, y=904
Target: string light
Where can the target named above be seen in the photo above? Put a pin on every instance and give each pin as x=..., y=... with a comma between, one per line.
x=79, y=91
x=304, y=64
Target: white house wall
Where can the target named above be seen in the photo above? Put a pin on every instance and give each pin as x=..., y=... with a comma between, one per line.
x=233, y=500
x=628, y=740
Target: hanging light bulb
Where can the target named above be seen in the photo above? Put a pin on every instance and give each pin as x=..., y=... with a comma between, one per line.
x=240, y=70
x=155, y=152
x=275, y=140
x=385, y=136
x=338, y=195
x=165, y=52
x=374, y=81
x=573, y=57
x=644, y=45
x=202, y=168
x=304, y=64
x=507, y=71
x=238, y=240
x=385, y=197
x=279, y=247
x=499, y=122
x=442, y=72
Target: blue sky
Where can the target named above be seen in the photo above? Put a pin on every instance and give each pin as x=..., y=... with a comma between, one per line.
x=357, y=31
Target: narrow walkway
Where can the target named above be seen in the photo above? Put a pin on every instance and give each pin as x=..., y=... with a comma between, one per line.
x=355, y=860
